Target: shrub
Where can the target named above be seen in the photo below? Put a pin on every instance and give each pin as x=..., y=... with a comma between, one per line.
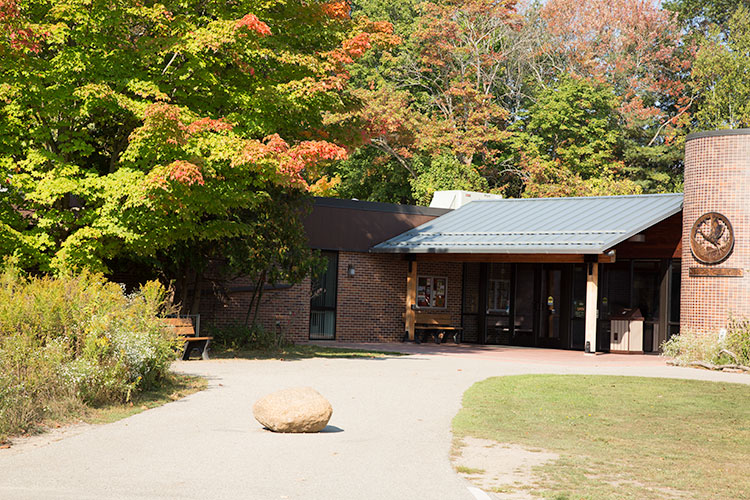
x=738, y=339
x=254, y=337
x=74, y=340
x=712, y=348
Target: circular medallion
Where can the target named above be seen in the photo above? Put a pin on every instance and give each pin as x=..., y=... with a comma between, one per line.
x=712, y=238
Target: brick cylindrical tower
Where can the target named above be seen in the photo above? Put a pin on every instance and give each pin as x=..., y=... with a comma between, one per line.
x=715, y=230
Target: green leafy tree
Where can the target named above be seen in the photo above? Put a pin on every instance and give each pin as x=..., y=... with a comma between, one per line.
x=444, y=172
x=146, y=131
x=701, y=16
x=720, y=76
x=575, y=123
x=370, y=175
x=569, y=144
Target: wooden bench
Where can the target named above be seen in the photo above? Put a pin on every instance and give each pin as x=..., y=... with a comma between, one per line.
x=184, y=328
x=436, y=324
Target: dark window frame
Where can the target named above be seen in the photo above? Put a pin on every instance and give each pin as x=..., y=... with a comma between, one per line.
x=323, y=308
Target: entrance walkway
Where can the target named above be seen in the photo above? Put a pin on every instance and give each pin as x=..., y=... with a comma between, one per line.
x=513, y=354
x=389, y=437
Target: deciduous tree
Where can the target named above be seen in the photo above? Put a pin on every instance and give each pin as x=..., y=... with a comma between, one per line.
x=720, y=75
x=153, y=131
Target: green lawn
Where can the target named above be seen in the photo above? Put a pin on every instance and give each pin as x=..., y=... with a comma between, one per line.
x=620, y=437
x=298, y=352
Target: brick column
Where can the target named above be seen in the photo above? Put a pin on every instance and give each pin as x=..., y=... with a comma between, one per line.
x=717, y=179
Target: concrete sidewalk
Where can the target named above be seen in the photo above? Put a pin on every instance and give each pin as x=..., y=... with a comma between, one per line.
x=389, y=437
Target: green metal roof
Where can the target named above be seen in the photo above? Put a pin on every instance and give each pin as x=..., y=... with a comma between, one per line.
x=588, y=225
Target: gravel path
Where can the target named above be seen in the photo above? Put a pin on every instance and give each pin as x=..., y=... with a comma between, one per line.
x=389, y=437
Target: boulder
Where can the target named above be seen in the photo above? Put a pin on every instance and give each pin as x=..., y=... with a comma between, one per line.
x=299, y=409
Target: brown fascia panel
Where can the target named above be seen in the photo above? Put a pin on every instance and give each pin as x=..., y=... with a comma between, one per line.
x=357, y=230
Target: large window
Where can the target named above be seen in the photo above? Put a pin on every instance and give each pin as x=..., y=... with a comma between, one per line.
x=499, y=296
x=323, y=301
x=432, y=292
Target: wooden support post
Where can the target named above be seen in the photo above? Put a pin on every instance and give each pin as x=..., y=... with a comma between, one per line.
x=592, y=298
x=411, y=299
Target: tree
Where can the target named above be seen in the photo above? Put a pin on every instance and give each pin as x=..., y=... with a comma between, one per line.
x=445, y=172
x=639, y=49
x=701, y=15
x=574, y=123
x=372, y=176
x=147, y=130
x=570, y=142
x=436, y=93
x=720, y=75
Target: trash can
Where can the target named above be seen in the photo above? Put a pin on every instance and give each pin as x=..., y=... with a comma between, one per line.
x=626, y=331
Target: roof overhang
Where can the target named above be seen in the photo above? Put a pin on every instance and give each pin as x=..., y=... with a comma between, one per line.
x=537, y=226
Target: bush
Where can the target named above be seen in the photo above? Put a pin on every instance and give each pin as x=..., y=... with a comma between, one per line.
x=256, y=337
x=711, y=347
x=72, y=341
x=738, y=339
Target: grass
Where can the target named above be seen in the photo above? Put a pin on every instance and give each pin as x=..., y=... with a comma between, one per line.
x=469, y=470
x=298, y=352
x=620, y=437
x=177, y=386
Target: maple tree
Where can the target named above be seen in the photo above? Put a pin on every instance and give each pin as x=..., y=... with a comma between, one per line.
x=152, y=131
x=638, y=49
x=436, y=94
x=467, y=74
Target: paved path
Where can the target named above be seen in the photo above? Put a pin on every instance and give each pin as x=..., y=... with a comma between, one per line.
x=389, y=437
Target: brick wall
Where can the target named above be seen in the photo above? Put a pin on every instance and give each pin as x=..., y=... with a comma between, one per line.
x=287, y=309
x=371, y=303
x=369, y=307
x=717, y=179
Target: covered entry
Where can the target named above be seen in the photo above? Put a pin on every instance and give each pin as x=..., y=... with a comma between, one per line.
x=540, y=272
x=532, y=305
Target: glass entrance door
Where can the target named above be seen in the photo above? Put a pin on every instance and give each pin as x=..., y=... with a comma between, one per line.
x=498, y=313
x=551, y=307
x=523, y=305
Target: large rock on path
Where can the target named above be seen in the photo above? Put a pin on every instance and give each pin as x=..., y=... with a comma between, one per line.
x=299, y=409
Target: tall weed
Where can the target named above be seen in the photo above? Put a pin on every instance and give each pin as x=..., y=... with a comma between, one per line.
x=711, y=347
x=79, y=340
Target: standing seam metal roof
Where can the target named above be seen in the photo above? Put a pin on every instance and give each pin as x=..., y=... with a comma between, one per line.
x=589, y=225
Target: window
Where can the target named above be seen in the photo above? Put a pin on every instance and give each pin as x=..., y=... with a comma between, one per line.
x=323, y=301
x=498, y=288
x=432, y=291
x=498, y=298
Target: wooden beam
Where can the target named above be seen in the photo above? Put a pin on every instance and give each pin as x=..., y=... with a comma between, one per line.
x=519, y=258
x=411, y=299
x=592, y=298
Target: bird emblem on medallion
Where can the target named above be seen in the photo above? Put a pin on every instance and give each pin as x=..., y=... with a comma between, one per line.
x=711, y=238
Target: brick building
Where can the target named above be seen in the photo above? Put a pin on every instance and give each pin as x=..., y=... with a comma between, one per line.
x=552, y=272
